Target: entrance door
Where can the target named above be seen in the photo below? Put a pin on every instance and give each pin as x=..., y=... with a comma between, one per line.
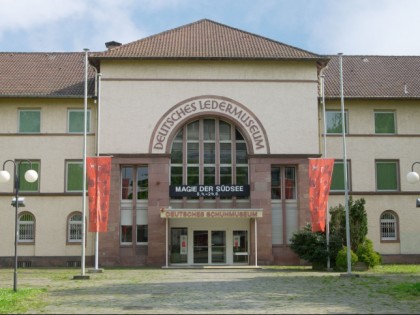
x=209, y=247
x=201, y=247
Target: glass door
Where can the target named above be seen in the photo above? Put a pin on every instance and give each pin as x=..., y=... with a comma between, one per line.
x=218, y=247
x=179, y=245
x=201, y=247
x=240, y=247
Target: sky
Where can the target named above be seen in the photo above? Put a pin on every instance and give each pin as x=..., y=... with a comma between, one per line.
x=326, y=27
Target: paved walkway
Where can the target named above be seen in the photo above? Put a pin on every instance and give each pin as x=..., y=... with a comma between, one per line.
x=215, y=291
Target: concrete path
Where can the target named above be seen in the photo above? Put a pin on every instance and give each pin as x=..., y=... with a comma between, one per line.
x=217, y=291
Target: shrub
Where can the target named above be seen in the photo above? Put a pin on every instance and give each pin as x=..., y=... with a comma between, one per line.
x=366, y=253
x=341, y=259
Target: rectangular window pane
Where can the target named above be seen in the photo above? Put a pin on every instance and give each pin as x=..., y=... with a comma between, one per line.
x=241, y=153
x=225, y=153
x=127, y=182
x=224, y=131
x=142, y=236
x=30, y=121
x=225, y=175
x=23, y=184
x=74, y=176
x=193, y=176
x=176, y=153
x=334, y=122
x=76, y=120
x=209, y=176
x=192, y=131
x=242, y=175
x=386, y=176
x=385, y=122
x=126, y=234
x=337, y=180
x=275, y=183
x=290, y=182
x=209, y=129
x=192, y=153
x=142, y=182
x=209, y=153
x=176, y=175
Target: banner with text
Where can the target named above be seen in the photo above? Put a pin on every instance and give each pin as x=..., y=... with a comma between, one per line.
x=320, y=173
x=98, y=179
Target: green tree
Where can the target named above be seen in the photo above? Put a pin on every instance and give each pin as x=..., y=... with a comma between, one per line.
x=357, y=222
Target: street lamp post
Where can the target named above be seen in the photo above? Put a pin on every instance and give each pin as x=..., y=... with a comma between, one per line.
x=31, y=176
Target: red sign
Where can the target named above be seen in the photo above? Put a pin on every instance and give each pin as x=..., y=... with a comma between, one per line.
x=98, y=179
x=320, y=173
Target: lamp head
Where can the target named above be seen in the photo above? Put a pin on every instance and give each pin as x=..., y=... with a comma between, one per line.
x=413, y=177
x=4, y=176
x=31, y=176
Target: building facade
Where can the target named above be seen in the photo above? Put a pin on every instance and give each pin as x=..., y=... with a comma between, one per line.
x=209, y=129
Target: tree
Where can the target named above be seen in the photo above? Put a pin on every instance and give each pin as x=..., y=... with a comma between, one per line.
x=357, y=222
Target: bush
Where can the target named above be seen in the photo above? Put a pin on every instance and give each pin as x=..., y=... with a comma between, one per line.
x=341, y=259
x=366, y=253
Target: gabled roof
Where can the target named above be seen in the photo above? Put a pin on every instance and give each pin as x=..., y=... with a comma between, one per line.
x=373, y=77
x=43, y=75
x=205, y=39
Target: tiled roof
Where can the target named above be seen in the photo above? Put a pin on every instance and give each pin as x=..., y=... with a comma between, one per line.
x=373, y=77
x=43, y=75
x=206, y=39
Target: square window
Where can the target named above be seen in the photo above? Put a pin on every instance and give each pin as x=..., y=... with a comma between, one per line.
x=337, y=179
x=74, y=176
x=334, y=122
x=23, y=167
x=385, y=122
x=29, y=121
x=76, y=120
x=386, y=175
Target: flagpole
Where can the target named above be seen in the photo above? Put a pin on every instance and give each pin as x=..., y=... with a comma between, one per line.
x=327, y=224
x=83, y=258
x=346, y=194
x=97, y=154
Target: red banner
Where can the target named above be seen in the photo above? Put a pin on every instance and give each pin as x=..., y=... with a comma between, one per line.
x=98, y=171
x=320, y=173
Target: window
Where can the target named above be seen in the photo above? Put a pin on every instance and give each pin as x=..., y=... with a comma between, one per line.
x=74, y=228
x=386, y=175
x=334, y=122
x=26, y=223
x=209, y=152
x=76, y=120
x=74, y=176
x=283, y=177
x=337, y=179
x=130, y=175
x=29, y=121
x=389, y=226
x=23, y=167
x=385, y=122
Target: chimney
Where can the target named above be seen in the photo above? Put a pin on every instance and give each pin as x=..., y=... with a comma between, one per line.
x=112, y=44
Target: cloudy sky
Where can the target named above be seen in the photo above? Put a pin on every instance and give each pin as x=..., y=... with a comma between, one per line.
x=351, y=27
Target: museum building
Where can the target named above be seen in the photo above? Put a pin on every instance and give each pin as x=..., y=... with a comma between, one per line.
x=210, y=130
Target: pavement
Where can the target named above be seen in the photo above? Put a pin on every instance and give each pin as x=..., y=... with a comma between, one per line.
x=215, y=291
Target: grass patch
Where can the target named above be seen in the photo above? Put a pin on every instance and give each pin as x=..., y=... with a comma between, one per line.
x=395, y=268
x=406, y=290
x=22, y=301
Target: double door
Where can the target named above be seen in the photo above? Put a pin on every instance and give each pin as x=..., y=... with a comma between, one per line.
x=209, y=247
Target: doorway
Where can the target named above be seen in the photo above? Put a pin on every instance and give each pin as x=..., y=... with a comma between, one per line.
x=209, y=247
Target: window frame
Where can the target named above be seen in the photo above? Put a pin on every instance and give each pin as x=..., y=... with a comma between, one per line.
x=282, y=182
x=89, y=120
x=378, y=112
x=79, y=226
x=394, y=222
x=23, y=110
x=67, y=163
x=346, y=121
x=348, y=176
x=397, y=172
x=22, y=176
x=28, y=223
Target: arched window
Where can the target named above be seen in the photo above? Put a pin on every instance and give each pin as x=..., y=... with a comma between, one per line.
x=74, y=228
x=26, y=223
x=389, y=226
x=209, y=151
